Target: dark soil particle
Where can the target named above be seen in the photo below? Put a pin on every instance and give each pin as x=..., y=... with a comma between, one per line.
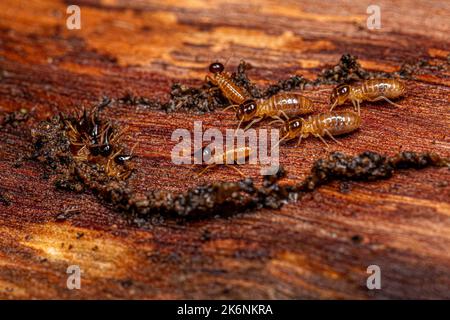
x=357, y=239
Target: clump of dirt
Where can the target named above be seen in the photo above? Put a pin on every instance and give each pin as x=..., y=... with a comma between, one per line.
x=208, y=97
x=349, y=70
x=241, y=79
x=15, y=118
x=421, y=66
x=367, y=166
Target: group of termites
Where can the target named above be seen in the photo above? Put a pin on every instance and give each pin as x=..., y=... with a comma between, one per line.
x=95, y=141
x=287, y=108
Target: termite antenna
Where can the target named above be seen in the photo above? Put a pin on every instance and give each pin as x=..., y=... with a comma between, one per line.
x=333, y=105
x=252, y=123
x=228, y=60
x=204, y=170
x=322, y=90
x=134, y=147
x=234, y=168
x=278, y=143
x=277, y=120
x=234, y=106
x=239, y=125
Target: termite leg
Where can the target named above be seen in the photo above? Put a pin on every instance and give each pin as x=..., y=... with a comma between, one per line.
x=284, y=114
x=386, y=99
x=299, y=140
x=117, y=136
x=331, y=136
x=71, y=127
x=323, y=140
x=356, y=105
x=239, y=171
x=333, y=105
x=134, y=147
x=277, y=120
x=211, y=80
x=179, y=104
x=77, y=143
x=117, y=153
x=279, y=142
x=111, y=159
x=204, y=170
x=239, y=125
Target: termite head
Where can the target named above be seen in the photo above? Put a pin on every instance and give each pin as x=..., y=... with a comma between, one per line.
x=291, y=128
x=216, y=67
x=339, y=94
x=246, y=110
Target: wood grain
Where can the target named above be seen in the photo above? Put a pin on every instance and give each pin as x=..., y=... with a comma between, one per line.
x=318, y=247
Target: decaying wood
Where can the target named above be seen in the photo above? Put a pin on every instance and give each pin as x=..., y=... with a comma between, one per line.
x=318, y=247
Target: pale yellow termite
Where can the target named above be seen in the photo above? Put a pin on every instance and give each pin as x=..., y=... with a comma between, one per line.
x=368, y=90
x=281, y=104
x=323, y=124
x=226, y=158
x=229, y=89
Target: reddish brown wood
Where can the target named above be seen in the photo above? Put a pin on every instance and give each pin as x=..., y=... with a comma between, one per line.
x=317, y=248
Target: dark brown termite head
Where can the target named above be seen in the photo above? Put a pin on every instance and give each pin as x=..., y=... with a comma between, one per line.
x=216, y=67
x=247, y=110
x=339, y=94
x=291, y=128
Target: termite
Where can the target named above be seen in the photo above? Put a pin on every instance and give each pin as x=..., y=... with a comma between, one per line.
x=222, y=79
x=281, y=104
x=226, y=158
x=116, y=164
x=368, y=90
x=323, y=124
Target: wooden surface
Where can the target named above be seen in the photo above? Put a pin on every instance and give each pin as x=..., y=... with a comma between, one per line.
x=318, y=247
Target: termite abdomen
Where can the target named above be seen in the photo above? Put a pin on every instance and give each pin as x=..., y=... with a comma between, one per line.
x=376, y=88
x=334, y=123
x=288, y=104
x=223, y=80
